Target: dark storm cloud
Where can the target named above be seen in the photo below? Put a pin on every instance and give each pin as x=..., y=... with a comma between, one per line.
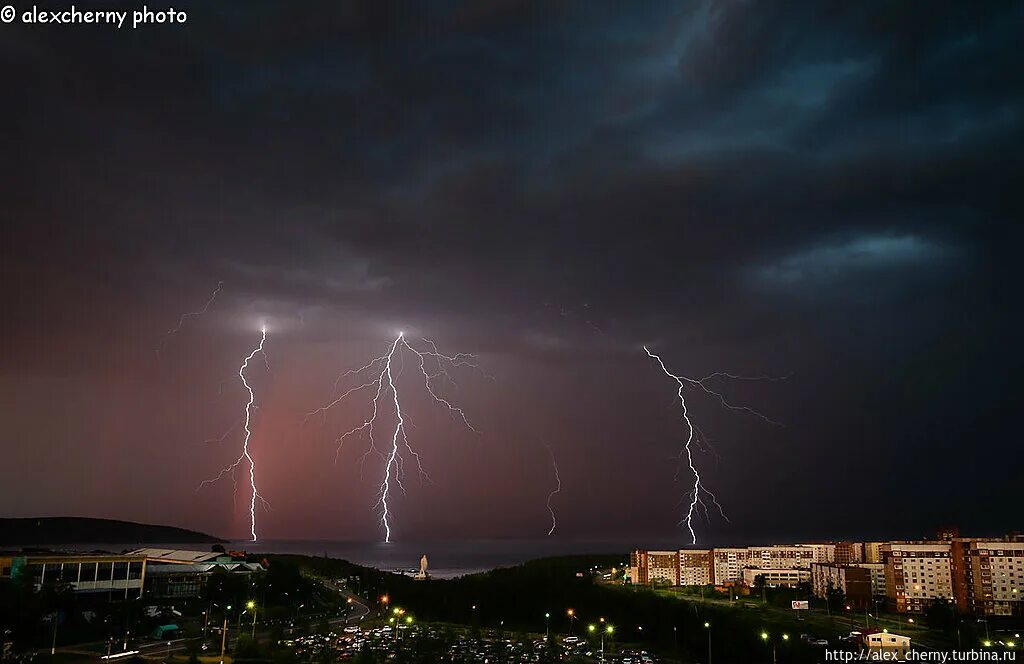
x=825, y=188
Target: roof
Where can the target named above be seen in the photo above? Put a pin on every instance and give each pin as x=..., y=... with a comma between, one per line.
x=201, y=568
x=172, y=556
x=55, y=558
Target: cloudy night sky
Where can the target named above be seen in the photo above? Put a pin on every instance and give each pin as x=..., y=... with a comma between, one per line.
x=825, y=192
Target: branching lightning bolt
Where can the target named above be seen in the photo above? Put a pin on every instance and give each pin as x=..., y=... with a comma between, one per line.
x=382, y=381
x=195, y=314
x=698, y=491
x=245, y=456
x=557, y=489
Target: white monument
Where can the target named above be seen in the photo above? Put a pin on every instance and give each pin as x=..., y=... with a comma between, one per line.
x=423, y=573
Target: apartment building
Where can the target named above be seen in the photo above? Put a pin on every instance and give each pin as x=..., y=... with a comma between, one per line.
x=654, y=567
x=781, y=556
x=849, y=552
x=854, y=582
x=694, y=567
x=988, y=576
x=821, y=553
x=917, y=574
x=876, y=571
x=727, y=565
x=873, y=552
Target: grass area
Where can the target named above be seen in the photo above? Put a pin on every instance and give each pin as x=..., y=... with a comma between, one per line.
x=815, y=621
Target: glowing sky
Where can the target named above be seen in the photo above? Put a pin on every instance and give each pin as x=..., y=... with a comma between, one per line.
x=826, y=191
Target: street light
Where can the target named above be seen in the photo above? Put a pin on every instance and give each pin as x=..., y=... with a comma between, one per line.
x=768, y=641
x=609, y=630
x=547, y=626
x=707, y=626
x=251, y=606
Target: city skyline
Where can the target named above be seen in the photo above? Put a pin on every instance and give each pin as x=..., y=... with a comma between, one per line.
x=820, y=194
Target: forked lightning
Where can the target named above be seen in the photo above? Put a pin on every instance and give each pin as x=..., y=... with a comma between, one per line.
x=383, y=381
x=245, y=456
x=698, y=492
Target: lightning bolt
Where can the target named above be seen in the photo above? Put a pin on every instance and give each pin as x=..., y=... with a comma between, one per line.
x=245, y=457
x=195, y=314
x=557, y=489
x=698, y=492
x=382, y=380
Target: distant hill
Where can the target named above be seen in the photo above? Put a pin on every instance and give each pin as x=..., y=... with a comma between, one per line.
x=82, y=530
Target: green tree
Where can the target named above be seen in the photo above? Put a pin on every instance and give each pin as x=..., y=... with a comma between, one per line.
x=836, y=598
x=942, y=616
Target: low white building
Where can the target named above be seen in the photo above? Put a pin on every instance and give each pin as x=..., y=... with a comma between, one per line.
x=883, y=646
x=776, y=578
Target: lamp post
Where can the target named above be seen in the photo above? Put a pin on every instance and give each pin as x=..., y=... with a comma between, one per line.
x=251, y=606
x=571, y=613
x=707, y=626
x=53, y=644
x=769, y=642
x=224, y=637
x=607, y=630
x=547, y=626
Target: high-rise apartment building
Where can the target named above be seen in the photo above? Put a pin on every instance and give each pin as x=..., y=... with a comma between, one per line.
x=694, y=567
x=877, y=573
x=727, y=565
x=822, y=553
x=781, y=556
x=917, y=574
x=988, y=576
x=873, y=552
x=853, y=582
x=654, y=567
x=849, y=552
